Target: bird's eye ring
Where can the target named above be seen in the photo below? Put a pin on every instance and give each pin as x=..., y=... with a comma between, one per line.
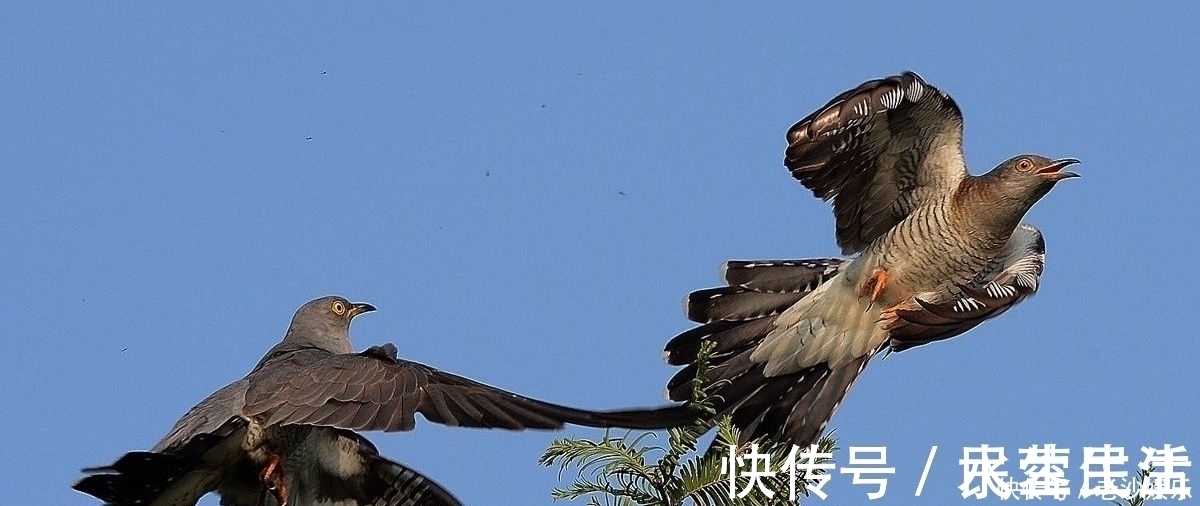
x=338, y=307
x=1024, y=165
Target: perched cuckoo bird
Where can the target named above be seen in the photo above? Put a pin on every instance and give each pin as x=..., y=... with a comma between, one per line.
x=938, y=252
x=287, y=428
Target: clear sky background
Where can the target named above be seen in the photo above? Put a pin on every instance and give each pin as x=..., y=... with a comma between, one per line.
x=527, y=192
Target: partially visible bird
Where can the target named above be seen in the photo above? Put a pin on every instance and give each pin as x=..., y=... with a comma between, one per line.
x=939, y=251
x=287, y=428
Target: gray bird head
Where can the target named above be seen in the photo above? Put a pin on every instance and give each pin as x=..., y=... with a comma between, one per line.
x=1017, y=184
x=1034, y=171
x=325, y=323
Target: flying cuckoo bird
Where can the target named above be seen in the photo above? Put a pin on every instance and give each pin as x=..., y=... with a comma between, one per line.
x=285, y=433
x=939, y=251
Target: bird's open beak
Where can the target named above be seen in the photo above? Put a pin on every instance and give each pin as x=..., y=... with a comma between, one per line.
x=360, y=308
x=1054, y=171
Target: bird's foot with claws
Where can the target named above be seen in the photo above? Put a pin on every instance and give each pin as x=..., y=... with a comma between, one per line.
x=273, y=480
x=874, y=285
x=893, y=317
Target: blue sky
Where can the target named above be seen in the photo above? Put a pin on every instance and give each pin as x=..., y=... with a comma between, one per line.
x=527, y=192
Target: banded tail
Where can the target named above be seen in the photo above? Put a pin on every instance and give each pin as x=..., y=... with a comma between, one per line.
x=770, y=381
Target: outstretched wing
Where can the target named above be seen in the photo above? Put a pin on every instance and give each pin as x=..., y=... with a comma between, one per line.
x=953, y=309
x=878, y=151
x=374, y=390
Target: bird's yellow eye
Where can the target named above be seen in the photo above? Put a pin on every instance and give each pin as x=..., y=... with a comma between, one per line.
x=1024, y=164
x=338, y=307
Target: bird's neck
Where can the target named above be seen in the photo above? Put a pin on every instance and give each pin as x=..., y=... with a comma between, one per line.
x=988, y=210
x=294, y=343
x=331, y=338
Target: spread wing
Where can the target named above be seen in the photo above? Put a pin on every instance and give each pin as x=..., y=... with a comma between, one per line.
x=953, y=309
x=878, y=151
x=374, y=390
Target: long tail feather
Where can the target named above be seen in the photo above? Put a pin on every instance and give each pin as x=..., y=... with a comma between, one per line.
x=774, y=383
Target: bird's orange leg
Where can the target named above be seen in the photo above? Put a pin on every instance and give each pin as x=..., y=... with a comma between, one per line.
x=272, y=478
x=874, y=285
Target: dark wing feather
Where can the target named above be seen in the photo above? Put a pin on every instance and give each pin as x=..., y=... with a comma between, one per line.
x=953, y=309
x=402, y=486
x=739, y=315
x=878, y=151
x=780, y=276
x=206, y=462
x=376, y=391
x=759, y=288
x=358, y=475
x=362, y=476
x=200, y=453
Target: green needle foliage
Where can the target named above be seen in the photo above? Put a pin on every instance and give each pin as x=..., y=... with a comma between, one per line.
x=629, y=470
